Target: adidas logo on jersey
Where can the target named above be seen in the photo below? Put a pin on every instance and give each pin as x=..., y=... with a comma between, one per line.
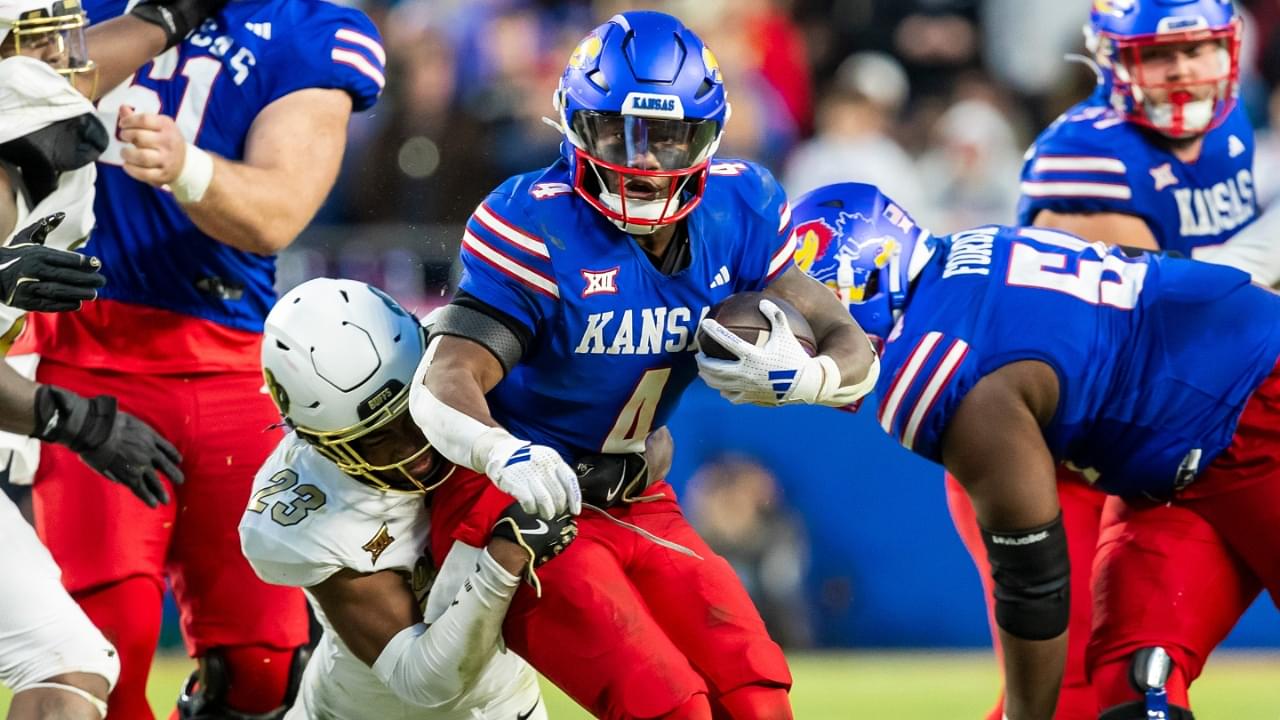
x=721, y=278
x=646, y=331
x=262, y=29
x=1221, y=208
x=1235, y=146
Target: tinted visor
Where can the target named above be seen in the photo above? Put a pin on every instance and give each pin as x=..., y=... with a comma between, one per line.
x=645, y=143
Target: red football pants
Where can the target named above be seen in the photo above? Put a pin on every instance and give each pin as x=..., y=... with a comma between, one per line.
x=100, y=534
x=1081, y=511
x=626, y=627
x=1179, y=575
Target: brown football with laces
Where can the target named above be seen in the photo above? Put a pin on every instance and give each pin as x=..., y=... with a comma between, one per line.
x=740, y=314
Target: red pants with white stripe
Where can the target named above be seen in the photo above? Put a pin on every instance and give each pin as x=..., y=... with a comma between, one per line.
x=1179, y=575
x=1081, y=512
x=626, y=627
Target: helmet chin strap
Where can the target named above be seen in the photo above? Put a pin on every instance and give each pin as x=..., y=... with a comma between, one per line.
x=645, y=209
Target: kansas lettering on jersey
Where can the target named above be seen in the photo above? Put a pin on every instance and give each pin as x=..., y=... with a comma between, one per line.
x=613, y=337
x=1155, y=356
x=168, y=275
x=1091, y=160
x=305, y=521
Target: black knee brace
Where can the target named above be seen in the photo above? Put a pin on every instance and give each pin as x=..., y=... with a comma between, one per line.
x=1032, y=574
x=204, y=698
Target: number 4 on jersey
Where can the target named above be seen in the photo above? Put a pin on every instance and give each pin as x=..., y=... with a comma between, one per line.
x=635, y=421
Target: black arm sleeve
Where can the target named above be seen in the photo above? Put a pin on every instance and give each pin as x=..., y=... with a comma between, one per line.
x=469, y=317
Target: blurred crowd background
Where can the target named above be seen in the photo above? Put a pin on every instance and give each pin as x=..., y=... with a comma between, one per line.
x=842, y=538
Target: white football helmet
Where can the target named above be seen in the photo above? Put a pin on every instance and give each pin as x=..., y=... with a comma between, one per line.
x=338, y=357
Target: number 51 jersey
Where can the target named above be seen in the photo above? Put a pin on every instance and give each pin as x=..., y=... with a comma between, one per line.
x=214, y=84
x=1155, y=356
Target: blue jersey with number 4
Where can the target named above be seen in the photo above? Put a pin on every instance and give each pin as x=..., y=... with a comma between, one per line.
x=1155, y=355
x=214, y=84
x=613, y=337
x=1091, y=160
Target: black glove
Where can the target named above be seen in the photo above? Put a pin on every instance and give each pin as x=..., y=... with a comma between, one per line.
x=109, y=440
x=542, y=539
x=35, y=277
x=176, y=17
x=607, y=480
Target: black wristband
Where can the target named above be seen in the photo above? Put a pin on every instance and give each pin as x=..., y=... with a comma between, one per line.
x=173, y=25
x=66, y=418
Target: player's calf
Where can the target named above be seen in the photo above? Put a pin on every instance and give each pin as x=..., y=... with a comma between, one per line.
x=231, y=685
x=70, y=696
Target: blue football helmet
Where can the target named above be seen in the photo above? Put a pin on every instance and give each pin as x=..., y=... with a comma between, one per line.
x=642, y=107
x=863, y=246
x=1133, y=41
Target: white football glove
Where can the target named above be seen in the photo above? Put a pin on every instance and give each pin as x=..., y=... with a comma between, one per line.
x=778, y=373
x=536, y=476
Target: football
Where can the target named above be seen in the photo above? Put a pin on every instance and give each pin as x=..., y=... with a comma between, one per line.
x=740, y=314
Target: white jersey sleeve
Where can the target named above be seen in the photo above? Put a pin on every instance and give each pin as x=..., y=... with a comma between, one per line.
x=34, y=96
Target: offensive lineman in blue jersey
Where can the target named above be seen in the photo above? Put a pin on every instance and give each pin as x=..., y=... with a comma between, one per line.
x=221, y=151
x=1159, y=157
x=1010, y=350
x=571, y=339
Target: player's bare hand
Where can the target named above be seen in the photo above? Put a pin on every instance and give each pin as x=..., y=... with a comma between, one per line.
x=154, y=150
x=536, y=476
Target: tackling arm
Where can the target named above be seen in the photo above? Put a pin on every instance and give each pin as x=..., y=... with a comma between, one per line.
x=995, y=447
x=378, y=618
x=260, y=205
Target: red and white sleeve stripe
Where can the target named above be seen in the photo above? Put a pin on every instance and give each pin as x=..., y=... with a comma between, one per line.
x=531, y=278
x=1064, y=188
x=1077, y=164
x=934, y=382
x=361, y=52
x=781, y=257
x=512, y=234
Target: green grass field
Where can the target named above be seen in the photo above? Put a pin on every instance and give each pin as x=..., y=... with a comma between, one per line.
x=902, y=686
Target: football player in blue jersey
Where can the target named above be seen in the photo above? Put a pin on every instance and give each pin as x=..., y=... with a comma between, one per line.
x=1010, y=350
x=220, y=151
x=1160, y=156
x=571, y=338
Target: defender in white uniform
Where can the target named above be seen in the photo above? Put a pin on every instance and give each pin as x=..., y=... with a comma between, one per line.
x=339, y=509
